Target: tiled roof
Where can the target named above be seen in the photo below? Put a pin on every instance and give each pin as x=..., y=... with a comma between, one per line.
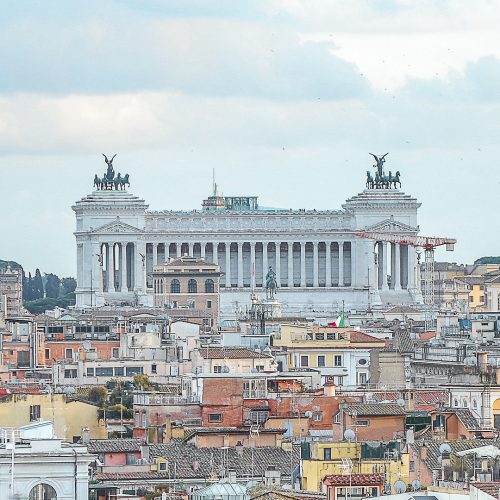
x=114, y=445
x=357, y=336
x=353, y=479
x=192, y=462
x=402, y=310
x=231, y=353
x=120, y=476
x=467, y=418
x=429, y=396
x=375, y=409
x=490, y=488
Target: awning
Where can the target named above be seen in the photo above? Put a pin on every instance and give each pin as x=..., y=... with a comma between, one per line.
x=482, y=451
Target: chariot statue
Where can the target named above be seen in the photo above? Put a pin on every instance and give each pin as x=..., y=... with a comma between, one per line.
x=381, y=180
x=108, y=181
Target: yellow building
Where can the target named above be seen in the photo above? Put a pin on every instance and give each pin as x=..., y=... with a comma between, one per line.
x=319, y=459
x=69, y=416
x=342, y=355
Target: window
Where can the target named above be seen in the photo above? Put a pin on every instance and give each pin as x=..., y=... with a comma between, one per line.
x=131, y=460
x=34, y=413
x=337, y=418
x=412, y=466
x=327, y=453
x=320, y=336
x=90, y=372
x=153, y=369
x=304, y=361
x=209, y=286
x=209, y=304
x=144, y=419
x=163, y=466
x=337, y=360
x=330, y=336
x=119, y=371
x=474, y=404
x=362, y=378
x=43, y=492
x=317, y=416
x=321, y=361
x=175, y=286
x=70, y=373
x=260, y=368
x=215, y=417
x=68, y=353
x=115, y=353
x=339, y=380
x=465, y=403
x=217, y=369
x=47, y=353
x=455, y=403
x=103, y=371
x=137, y=419
x=192, y=286
x=362, y=423
x=132, y=370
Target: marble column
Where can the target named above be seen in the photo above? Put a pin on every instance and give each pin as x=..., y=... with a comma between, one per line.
x=228, y=264
x=411, y=268
x=191, y=249
x=302, y=264
x=341, y=263
x=123, y=267
x=178, y=249
x=278, y=263
x=384, y=265
x=140, y=266
x=328, y=264
x=397, y=267
x=240, y=264
x=202, y=249
x=315, y=264
x=252, y=265
x=155, y=254
x=290, y=264
x=215, y=253
x=264, y=262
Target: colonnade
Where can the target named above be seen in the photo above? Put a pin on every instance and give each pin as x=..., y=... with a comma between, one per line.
x=394, y=270
x=246, y=263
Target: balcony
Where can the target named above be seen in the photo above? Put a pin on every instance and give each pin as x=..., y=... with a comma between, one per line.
x=163, y=399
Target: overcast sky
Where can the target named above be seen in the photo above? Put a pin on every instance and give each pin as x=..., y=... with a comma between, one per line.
x=284, y=98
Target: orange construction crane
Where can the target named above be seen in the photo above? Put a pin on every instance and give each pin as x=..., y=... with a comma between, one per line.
x=428, y=244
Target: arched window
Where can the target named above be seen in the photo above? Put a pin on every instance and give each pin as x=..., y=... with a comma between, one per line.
x=456, y=402
x=192, y=286
x=209, y=286
x=465, y=403
x=474, y=404
x=43, y=492
x=175, y=286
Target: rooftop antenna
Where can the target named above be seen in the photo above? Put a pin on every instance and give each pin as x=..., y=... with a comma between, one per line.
x=214, y=185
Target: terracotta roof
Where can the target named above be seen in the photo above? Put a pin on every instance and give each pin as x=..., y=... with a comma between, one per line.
x=231, y=353
x=402, y=310
x=114, y=445
x=125, y=475
x=427, y=335
x=490, y=488
x=357, y=336
x=375, y=409
x=353, y=479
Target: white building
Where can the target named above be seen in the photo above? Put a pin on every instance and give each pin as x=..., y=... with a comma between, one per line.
x=319, y=261
x=43, y=469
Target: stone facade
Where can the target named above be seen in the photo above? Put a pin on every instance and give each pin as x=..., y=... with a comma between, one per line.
x=11, y=292
x=319, y=261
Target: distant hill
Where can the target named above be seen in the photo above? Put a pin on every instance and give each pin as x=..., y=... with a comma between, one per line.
x=6, y=263
x=488, y=260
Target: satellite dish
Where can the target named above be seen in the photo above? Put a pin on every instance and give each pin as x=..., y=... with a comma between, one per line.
x=87, y=345
x=399, y=486
x=349, y=435
x=415, y=484
x=400, y=402
x=308, y=414
x=225, y=369
x=445, y=449
x=69, y=390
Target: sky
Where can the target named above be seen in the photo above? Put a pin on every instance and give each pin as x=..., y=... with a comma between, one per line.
x=284, y=99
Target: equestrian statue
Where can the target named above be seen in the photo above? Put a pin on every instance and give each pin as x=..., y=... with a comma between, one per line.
x=271, y=284
x=381, y=180
x=109, y=181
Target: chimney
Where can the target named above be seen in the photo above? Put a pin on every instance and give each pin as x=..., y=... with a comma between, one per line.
x=231, y=476
x=482, y=361
x=330, y=389
x=85, y=436
x=239, y=448
x=272, y=476
x=423, y=452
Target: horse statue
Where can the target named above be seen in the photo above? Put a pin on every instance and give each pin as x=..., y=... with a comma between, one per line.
x=271, y=283
x=395, y=179
x=97, y=182
x=117, y=181
x=125, y=180
x=369, y=180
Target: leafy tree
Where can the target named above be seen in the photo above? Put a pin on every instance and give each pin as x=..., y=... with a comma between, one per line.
x=98, y=395
x=68, y=285
x=141, y=381
x=38, y=291
x=52, y=286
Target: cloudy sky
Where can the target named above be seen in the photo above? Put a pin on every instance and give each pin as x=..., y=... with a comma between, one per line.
x=284, y=98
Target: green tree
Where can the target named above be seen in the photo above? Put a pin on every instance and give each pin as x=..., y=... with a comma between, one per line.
x=98, y=395
x=68, y=285
x=52, y=286
x=141, y=381
x=38, y=290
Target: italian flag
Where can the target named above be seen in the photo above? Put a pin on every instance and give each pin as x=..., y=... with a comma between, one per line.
x=339, y=322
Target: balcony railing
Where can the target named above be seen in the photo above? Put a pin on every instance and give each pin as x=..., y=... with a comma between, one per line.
x=167, y=400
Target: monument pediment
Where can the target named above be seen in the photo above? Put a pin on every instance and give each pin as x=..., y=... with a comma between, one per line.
x=391, y=226
x=116, y=226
